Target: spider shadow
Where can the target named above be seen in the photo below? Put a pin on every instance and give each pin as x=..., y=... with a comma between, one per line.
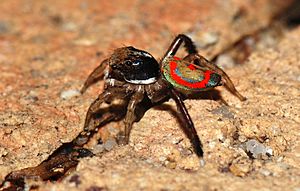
x=207, y=95
x=117, y=113
x=213, y=94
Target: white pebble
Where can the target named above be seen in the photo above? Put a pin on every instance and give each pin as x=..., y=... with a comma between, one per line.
x=207, y=39
x=202, y=162
x=99, y=148
x=269, y=151
x=265, y=172
x=257, y=149
x=69, y=94
x=225, y=61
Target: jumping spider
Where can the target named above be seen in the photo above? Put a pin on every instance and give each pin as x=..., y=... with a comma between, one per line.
x=140, y=82
x=136, y=78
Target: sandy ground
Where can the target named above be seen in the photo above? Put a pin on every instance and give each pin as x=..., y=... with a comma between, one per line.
x=49, y=47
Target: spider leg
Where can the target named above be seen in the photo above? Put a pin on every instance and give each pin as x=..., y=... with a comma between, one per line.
x=189, y=128
x=141, y=109
x=188, y=44
x=130, y=117
x=83, y=137
x=118, y=91
x=95, y=76
x=52, y=168
x=201, y=61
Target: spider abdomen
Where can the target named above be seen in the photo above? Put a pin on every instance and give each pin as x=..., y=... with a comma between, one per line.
x=187, y=76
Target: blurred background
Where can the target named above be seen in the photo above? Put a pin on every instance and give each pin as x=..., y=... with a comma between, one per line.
x=48, y=47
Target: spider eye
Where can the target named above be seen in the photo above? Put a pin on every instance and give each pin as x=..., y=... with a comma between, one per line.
x=128, y=63
x=133, y=63
x=137, y=63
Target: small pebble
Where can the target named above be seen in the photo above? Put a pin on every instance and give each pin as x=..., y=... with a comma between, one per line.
x=280, y=159
x=32, y=96
x=257, y=149
x=212, y=144
x=240, y=169
x=207, y=39
x=69, y=26
x=269, y=151
x=170, y=165
x=85, y=41
x=202, y=162
x=226, y=143
x=3, y=152
x=265, y=172
x=110, y=144
x=225, y=61
x=99, y=148
x=242, y=138
x=224, y=111
x=68, y=94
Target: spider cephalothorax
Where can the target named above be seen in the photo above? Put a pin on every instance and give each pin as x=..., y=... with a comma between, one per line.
x=133, y=66
x=136, y=78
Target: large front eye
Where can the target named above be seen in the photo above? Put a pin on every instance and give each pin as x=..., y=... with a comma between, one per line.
x=134, y=63
x=137, y=63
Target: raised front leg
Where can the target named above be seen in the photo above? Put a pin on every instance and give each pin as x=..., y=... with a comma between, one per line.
x=95, y=76
x=83, y=137
x=97, y=116
x=189, y=127
x=188, y=44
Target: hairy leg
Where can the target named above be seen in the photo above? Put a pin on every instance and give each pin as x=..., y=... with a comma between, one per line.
x=94, y=107
x=201, y=61
x=111, y=93
x=84, y=136
x=188, y=44
x=54, y=167
x=130, y=117
x=95, y=76
x=189, y=128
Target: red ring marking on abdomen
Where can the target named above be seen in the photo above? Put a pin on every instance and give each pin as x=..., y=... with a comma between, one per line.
x=179, y=80
x=190, y=66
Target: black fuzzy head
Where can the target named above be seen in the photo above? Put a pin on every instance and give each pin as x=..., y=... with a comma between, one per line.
x=134, y=66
